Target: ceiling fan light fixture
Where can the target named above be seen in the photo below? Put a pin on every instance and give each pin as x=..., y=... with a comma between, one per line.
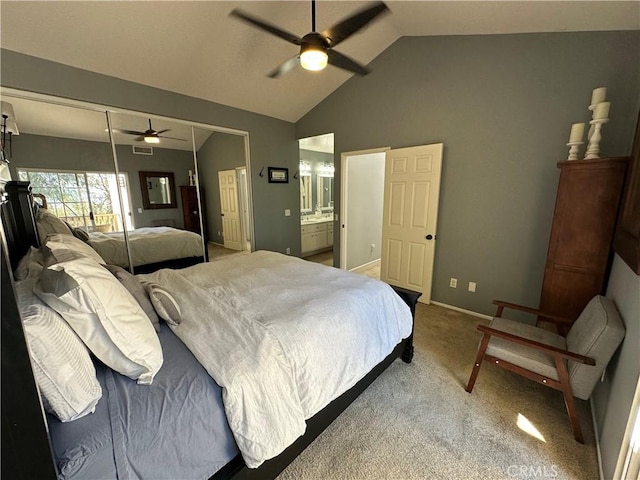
x=151, y=139
x=313, y=58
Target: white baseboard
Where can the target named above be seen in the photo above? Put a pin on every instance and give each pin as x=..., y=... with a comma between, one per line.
x=365, y=265
x=457, y=309
x=597, y=435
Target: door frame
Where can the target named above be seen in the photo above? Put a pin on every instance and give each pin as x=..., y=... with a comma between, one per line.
x=344, y=183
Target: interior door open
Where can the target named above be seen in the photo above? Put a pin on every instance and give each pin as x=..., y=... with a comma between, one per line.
x=411, y=192
x=231, y=227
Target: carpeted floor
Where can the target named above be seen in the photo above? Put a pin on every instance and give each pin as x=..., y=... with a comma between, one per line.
x=417, y=422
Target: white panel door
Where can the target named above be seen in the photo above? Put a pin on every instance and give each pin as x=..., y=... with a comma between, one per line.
x=231, y=229
x=411, y=191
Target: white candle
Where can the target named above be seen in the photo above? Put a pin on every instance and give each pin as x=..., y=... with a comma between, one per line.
x=577, y=131
x=598, y=95
x=602, y=111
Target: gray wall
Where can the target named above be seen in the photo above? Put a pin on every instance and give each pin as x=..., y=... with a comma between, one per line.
x=221, y=151
x=364, y=217
x=503, y=106
x=612, y=399
x=38, y=151
x=272, y=141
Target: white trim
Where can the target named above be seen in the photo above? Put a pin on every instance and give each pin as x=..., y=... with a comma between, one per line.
x=626, y=454
x=364, y=265
x=343, y=198
x=597, y=436
x=462, y=310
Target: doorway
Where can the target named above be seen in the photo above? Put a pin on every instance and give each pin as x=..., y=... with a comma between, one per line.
x=362, y=196
x=389, y=204
x=316, y=176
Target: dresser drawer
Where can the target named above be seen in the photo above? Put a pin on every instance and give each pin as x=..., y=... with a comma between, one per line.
x=314, y=228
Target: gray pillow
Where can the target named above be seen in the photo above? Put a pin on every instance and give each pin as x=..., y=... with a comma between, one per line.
x=137, y=290
x=81, y=234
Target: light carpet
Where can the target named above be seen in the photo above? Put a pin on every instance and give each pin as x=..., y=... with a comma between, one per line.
x=416, y=421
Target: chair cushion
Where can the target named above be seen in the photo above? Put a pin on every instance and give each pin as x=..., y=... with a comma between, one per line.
x=596, y=333
x=521, y=355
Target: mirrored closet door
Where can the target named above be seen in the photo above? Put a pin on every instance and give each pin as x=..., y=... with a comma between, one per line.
x=64, y=152
x=155, y=159
x=225, y=191
x=120, y=179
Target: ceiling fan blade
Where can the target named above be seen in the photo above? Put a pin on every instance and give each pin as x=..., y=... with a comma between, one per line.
x=342, y=61
x=289, y=37
x=162, y=131
x=351, y=25
x=171, y=138
x=285, y=67
x=127, y=132
x=139, y=139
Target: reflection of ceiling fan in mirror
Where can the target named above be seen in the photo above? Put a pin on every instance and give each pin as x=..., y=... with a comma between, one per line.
x=316, y=49
x=149, y=136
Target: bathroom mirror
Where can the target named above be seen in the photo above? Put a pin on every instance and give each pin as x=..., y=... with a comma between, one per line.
x=306, y=204
x=325, y=193
x=158, y=190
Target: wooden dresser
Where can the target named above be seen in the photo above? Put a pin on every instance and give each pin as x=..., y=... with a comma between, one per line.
x=190, y=210
x=584, y=221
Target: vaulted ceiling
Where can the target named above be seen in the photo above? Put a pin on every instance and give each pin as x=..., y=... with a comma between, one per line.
x=196, y=49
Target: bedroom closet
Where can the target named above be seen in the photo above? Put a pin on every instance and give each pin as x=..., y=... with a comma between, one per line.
x=112, y=171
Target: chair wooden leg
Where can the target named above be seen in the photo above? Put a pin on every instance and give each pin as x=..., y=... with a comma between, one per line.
x=479, y=358
x=569, y=401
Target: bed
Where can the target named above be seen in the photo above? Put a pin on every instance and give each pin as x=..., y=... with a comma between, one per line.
x=259, y=302
x=151, y=248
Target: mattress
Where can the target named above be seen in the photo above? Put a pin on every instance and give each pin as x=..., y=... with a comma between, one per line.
x=174, y=428
x=147, y=245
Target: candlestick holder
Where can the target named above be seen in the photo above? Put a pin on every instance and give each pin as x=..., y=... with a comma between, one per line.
x=592, y=108
x=593, y=149
x=573, y=150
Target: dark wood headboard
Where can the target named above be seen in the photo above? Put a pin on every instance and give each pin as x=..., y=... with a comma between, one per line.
x=18, y=220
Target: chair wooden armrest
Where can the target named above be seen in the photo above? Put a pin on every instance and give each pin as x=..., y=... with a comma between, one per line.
x=557, y=352
x=557, y=319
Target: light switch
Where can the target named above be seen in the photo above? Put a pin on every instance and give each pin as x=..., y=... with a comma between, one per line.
x=287, y=213
x=139, y=210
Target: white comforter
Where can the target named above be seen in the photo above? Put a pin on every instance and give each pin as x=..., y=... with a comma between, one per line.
x=148, y=245
x=282, y=337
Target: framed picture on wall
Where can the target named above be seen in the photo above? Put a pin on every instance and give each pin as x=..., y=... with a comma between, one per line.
x=278, y=175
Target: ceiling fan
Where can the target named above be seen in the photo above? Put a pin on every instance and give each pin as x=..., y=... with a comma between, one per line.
x=316, y=49
x=149, y=136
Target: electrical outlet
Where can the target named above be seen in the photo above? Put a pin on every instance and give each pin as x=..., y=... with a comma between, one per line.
x=287, y=212
x=218, y=232
x=288, y=251
x=453, y=283
x=472, y=287
x=373, y=247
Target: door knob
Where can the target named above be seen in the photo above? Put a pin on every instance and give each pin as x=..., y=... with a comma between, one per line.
x=429, y=237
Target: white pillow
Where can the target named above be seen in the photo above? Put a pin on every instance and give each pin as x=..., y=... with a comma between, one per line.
x=48, y=224
x=30, y=265
x=104, y=315
x=64, y=247
x=61, y=363
x=164, y=303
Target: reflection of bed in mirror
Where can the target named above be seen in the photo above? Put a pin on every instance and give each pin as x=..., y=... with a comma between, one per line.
x=151, y=248
x=224, y=310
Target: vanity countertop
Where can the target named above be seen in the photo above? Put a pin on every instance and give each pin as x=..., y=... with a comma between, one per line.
x=313, y=220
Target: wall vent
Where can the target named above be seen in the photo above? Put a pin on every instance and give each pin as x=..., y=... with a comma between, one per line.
x=140, y=150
